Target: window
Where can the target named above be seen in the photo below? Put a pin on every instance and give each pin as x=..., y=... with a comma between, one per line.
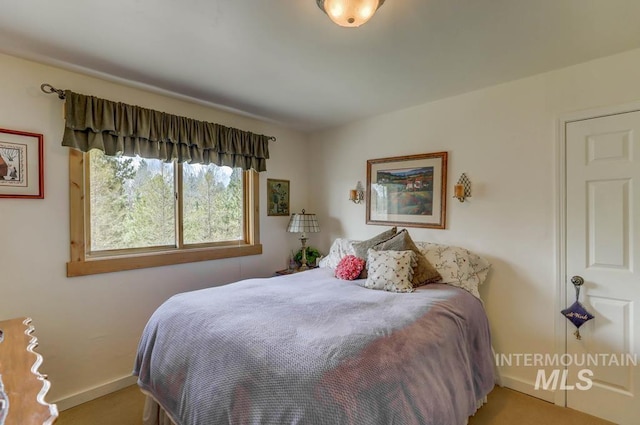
x=129, y=213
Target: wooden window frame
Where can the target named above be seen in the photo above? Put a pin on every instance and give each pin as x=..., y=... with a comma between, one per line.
x=84, y=263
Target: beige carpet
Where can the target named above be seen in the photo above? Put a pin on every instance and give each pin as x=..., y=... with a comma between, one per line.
x=505, y=407
x=508, y=407
x=123, y=407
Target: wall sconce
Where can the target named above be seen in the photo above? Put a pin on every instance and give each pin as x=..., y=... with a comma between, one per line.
x=462, y=189
x=357, y=195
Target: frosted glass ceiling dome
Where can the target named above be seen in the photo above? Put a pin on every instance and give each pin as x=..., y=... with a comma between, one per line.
x=349, y=13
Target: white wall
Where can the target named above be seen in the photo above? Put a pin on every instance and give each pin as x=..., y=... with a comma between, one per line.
x=88, y=327
x=505, y=138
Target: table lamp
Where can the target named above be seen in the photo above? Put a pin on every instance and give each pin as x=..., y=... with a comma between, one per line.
x=303, y=223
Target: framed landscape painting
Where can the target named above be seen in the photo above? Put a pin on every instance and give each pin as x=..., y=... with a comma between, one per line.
x=408, y=190
x=21, y=164
x=277, y=197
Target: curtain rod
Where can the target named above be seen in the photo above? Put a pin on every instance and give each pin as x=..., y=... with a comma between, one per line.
x=49, y=89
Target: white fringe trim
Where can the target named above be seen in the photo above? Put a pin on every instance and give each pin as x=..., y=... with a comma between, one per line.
x=479, y=404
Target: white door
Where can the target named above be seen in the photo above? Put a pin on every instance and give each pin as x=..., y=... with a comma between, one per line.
x=603, y=247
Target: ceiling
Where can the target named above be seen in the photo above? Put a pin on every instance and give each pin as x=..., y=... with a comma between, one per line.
x=286, y=62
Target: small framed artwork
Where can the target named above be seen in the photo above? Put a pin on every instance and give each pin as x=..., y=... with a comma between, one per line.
x=408, y=190
x=277, y=197
x=21, y=164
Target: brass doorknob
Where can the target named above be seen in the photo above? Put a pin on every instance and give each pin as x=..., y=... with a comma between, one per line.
x=577, y=280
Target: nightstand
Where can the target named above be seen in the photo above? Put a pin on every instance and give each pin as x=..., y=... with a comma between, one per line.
x=287, y=271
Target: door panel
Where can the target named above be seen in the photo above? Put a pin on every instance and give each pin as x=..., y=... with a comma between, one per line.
x=609, y=337
x=603, y=246
x=608, y=209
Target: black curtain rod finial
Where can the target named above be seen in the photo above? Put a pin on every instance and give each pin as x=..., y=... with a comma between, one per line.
x=49, y=89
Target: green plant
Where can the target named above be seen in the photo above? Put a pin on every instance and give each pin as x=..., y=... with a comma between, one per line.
x=312, y=254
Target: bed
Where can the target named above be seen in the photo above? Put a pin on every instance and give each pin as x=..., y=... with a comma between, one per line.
x=308, y=348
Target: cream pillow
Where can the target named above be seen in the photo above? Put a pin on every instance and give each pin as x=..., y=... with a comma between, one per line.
x=390, y=270
x=457, y=266
x=340, y=248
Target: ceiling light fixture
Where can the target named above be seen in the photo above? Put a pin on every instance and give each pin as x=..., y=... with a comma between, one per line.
x=349, y=13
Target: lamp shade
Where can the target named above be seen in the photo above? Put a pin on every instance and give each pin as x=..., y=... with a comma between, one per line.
x=303, y=223
x=349, y=13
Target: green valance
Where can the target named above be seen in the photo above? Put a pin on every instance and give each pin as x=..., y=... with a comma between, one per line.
x=114, y=127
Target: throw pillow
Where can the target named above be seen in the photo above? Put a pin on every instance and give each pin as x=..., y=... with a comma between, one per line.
x=457, y=266
x=424, y=272
x=349, y=267
x=339, y=248
x=390, y=270
x=360, y=248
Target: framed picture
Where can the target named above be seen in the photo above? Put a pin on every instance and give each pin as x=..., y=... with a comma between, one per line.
x=277, y=197
x=408, y=190
x=21, y=164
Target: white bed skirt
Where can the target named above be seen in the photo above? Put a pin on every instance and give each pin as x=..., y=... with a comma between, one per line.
x=153, y=414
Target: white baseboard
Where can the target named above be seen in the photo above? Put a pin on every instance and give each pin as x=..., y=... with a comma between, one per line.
x=93, y=393
x=527, y=387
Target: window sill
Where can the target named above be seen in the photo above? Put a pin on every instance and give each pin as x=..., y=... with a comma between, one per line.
x=157, y=259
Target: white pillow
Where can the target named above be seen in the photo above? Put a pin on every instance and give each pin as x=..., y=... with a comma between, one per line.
x=390, y=270
x=339, y=249
x=457, y=266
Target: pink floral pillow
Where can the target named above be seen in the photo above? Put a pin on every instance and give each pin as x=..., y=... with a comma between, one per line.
x=349, y=267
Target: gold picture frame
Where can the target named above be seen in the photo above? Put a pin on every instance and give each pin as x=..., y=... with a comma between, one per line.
x=408, y=190
x=278, y=197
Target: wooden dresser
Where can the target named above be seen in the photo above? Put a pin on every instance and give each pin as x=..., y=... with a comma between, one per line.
x=23, y=386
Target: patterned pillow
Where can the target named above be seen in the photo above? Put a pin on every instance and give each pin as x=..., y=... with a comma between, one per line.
x=424, y=272
x=349, y=267
x=390, y=270
x=339, y=249
x=360, y=248
x=457, y=266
